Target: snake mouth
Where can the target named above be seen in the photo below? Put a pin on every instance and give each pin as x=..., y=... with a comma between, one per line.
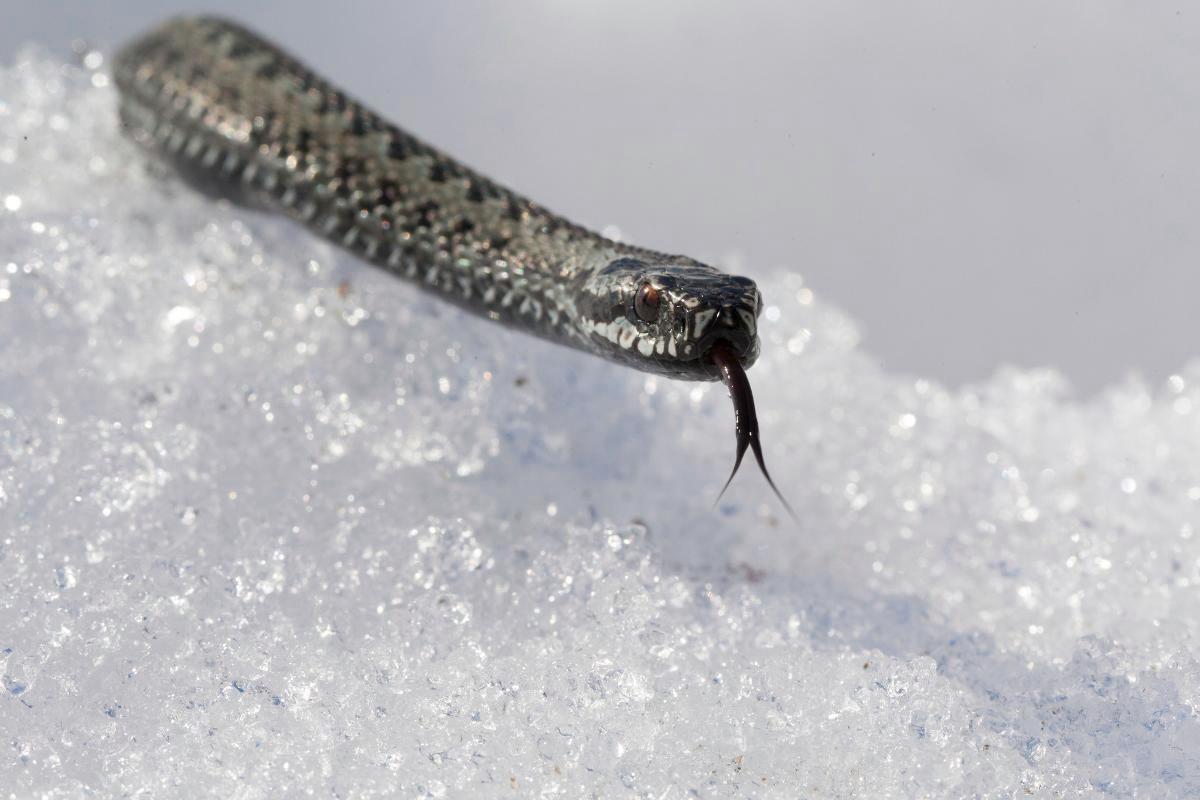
x=728, y=327
x=742, y=345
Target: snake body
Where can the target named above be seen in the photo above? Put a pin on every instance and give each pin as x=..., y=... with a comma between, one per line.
x=241, y=116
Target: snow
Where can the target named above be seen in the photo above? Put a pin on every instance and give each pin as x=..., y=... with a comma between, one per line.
x=273, y=523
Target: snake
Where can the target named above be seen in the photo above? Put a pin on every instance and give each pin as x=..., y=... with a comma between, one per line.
x=239, y=118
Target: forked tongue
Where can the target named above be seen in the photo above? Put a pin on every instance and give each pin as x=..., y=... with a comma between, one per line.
x=746, y=418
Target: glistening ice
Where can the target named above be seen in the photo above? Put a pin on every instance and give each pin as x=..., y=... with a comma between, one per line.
x=273, y=523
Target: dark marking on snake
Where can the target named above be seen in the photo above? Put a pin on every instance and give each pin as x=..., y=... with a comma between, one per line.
x=242, y=119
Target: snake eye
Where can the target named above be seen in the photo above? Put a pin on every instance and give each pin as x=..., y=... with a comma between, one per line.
x=645, y=303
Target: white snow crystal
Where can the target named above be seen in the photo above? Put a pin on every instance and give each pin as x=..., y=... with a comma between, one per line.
x=273, y=522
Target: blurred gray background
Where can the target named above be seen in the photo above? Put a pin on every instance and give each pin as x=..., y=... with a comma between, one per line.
x=978, y=184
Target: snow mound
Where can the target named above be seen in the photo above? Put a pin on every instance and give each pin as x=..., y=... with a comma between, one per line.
x=274, y=523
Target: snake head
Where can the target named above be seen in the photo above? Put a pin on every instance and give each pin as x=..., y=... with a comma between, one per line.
x=664, y=314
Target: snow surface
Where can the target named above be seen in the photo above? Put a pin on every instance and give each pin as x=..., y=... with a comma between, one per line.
x=273, y=523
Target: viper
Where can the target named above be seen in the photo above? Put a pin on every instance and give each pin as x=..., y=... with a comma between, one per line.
x=240, y=118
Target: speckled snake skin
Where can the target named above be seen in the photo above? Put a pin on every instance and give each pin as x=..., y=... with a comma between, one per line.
x=235, y=113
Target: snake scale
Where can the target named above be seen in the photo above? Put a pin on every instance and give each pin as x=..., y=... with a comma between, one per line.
x=240, y=118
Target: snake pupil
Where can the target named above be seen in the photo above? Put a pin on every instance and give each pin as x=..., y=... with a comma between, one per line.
x=645, y=303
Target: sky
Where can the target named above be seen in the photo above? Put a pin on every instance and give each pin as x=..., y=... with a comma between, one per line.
x=983, y=185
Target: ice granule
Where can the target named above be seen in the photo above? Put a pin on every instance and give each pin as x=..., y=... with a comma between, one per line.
x=274, y=523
